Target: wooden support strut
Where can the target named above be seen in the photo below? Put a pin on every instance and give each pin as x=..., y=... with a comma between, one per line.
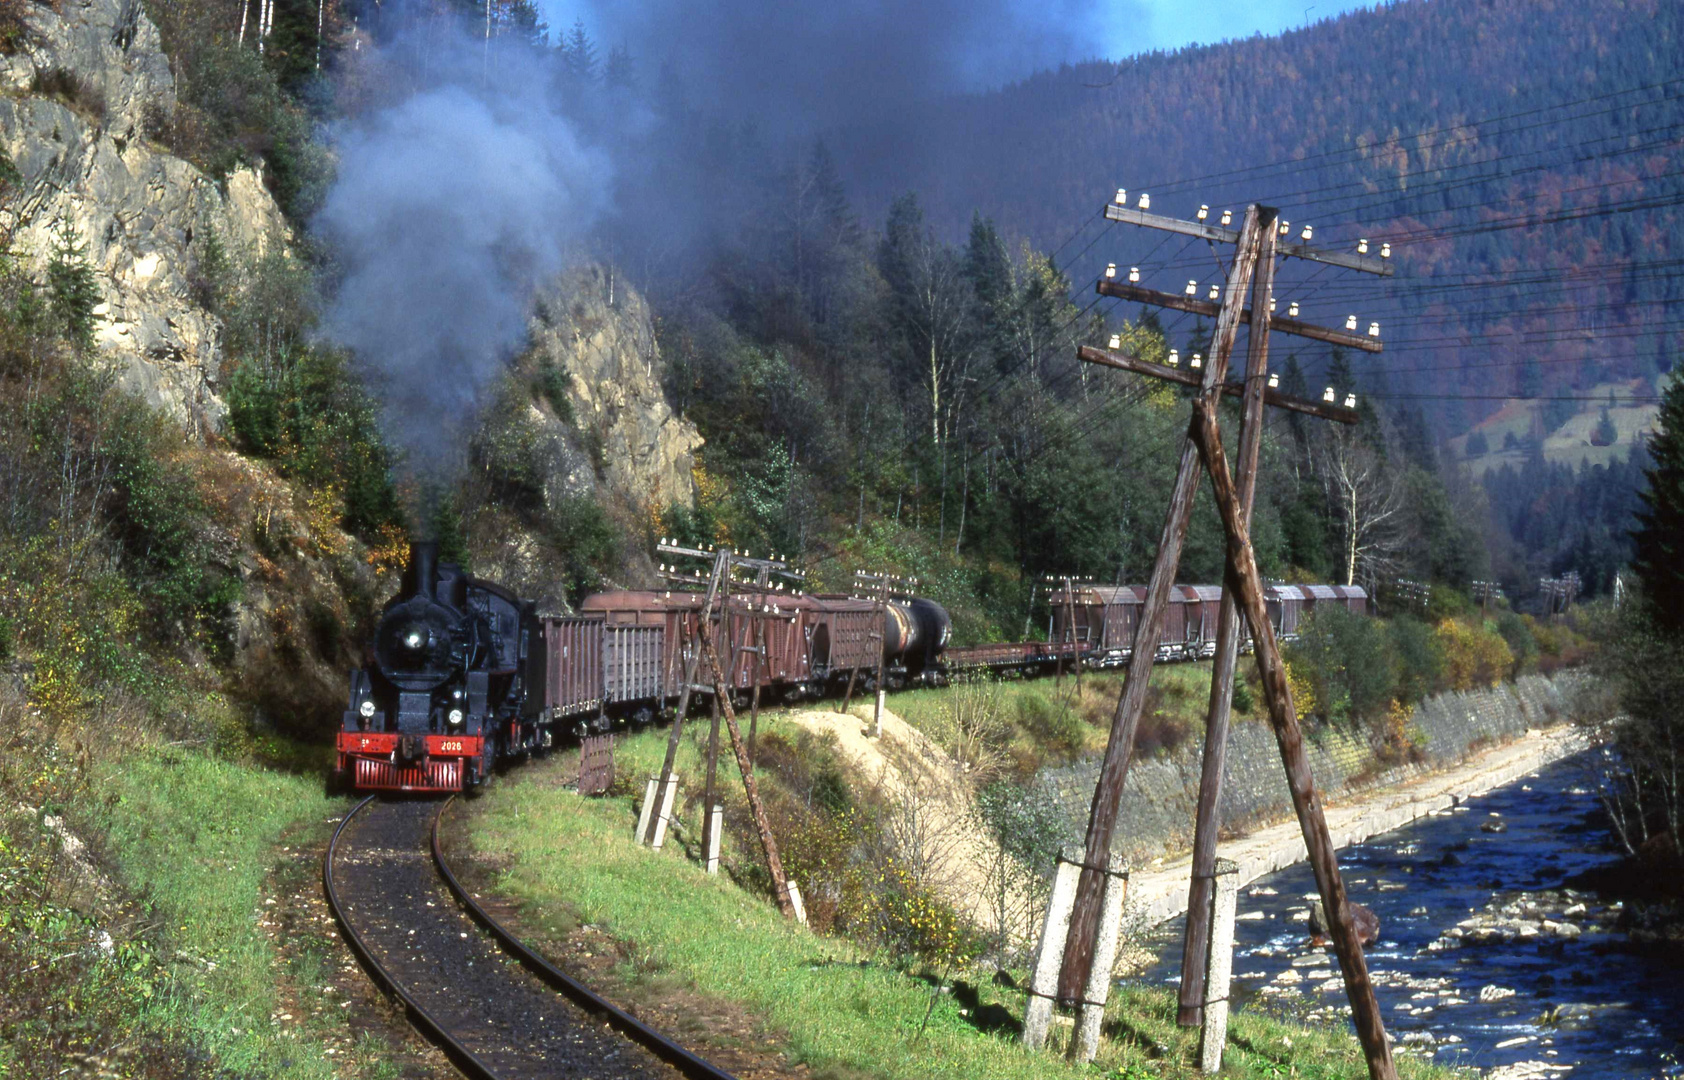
x=1196, y=943
x=1108, y=792
x=720, y=562
x=1242, y=567
x=769, y=843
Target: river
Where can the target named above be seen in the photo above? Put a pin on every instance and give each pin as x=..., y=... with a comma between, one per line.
x=1486, y=958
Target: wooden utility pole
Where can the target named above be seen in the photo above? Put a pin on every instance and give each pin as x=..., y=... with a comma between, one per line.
x=882, y=583
x=1242, y=565
x=1196, y=943
x=721, y=563
x=1242, y=581
x=768, y=843
x=718, y=577
x=1108, y=792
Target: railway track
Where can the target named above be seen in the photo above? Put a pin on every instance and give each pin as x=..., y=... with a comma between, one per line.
x=498, y=1009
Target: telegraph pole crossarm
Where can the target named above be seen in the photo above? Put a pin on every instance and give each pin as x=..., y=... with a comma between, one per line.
x=1220, y=235
x=1209, y=309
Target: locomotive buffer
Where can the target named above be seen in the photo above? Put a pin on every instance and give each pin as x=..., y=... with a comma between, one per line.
x=1252, y=271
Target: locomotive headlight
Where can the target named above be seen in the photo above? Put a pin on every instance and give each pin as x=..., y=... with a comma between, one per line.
x=455, y=717
x=415, y=638
x=367, y=709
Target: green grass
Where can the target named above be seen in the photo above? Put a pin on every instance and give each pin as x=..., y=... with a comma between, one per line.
x=842, y=1010
x=1053, y=722
x=199, y=839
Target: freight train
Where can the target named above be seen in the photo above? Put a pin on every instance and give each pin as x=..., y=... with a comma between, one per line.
x=462, y=673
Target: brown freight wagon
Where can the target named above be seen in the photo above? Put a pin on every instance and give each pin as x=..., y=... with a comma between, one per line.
x=572, y=651
x=845, y=633
x=1119, y=621
x=1287, y=606
x=1204, y=616
x=1355, y=598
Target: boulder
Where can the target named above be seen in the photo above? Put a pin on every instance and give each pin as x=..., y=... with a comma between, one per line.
x=1367, y=923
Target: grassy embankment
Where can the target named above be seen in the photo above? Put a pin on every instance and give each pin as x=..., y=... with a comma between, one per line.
x=842, y=1009
x=187, y=850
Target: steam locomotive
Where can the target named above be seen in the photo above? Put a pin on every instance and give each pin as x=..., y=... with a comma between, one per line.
x=462, y=673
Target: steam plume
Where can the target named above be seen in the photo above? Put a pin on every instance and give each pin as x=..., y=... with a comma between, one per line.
x=448, y=208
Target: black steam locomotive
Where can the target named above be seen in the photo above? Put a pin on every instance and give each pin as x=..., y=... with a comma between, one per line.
x=447, y=687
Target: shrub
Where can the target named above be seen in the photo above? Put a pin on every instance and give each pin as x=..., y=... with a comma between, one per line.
x=1348, y=661
x=1518, y=634
x=1473, y=656
x=1420, y=658
x=1051, y=726
x=307, y=413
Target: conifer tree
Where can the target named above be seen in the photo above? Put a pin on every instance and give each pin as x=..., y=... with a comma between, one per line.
x=71, y=284
x=1659, y=538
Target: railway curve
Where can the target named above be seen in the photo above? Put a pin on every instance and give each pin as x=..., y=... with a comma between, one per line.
x=493, y=1005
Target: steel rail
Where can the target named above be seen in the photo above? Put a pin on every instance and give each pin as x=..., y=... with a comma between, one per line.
x=460, y=1055
x=629, y=1026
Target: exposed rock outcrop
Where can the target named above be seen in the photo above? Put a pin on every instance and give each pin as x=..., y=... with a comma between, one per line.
x=587, y=420
x=599, y=334
x=73, y=121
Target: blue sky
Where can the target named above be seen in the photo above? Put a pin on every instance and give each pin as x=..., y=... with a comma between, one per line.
x=1171, y=24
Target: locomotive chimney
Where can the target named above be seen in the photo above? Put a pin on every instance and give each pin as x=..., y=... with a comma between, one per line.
x=423, y=575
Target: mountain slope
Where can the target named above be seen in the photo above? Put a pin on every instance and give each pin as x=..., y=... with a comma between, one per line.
x=1594, y=121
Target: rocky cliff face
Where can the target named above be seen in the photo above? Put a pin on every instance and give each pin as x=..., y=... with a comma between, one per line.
x=589, y=419
x=72, y=119
x=599, y=334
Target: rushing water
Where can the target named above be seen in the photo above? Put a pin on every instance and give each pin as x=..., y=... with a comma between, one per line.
x=1582, y=1007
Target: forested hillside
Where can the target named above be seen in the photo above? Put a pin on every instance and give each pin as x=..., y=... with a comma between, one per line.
x=1522, y=159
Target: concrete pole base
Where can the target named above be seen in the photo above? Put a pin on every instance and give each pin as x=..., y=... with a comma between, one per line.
x=1091, y=1015
x=716, y=821
x=1219, y=965
x=665, y=811
x=1049, y=956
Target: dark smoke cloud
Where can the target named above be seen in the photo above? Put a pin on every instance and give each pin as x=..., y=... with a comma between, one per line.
x=809, y=66
x=448, y=207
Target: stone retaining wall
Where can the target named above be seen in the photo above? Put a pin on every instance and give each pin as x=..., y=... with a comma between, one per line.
x=1159, y=799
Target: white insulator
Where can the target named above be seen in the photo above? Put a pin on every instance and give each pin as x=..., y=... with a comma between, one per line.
x=1329, y=395
x=1122, y=197
x=1292, y=309
x=1350, y=401
x=1174, y=358
x=1145, y=201
x=1350, y=322
x=1215, y=291
x=1362, y=246
x=1197, y=362
x=1227, y=217
x=1134, y=273
x=1305, y=235
x=1385, y=251
x=1116, y=341
x=1110, y=270
x=1373, y=329
x=1192, y=288
x=1204, y=212
x=1274, y=380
